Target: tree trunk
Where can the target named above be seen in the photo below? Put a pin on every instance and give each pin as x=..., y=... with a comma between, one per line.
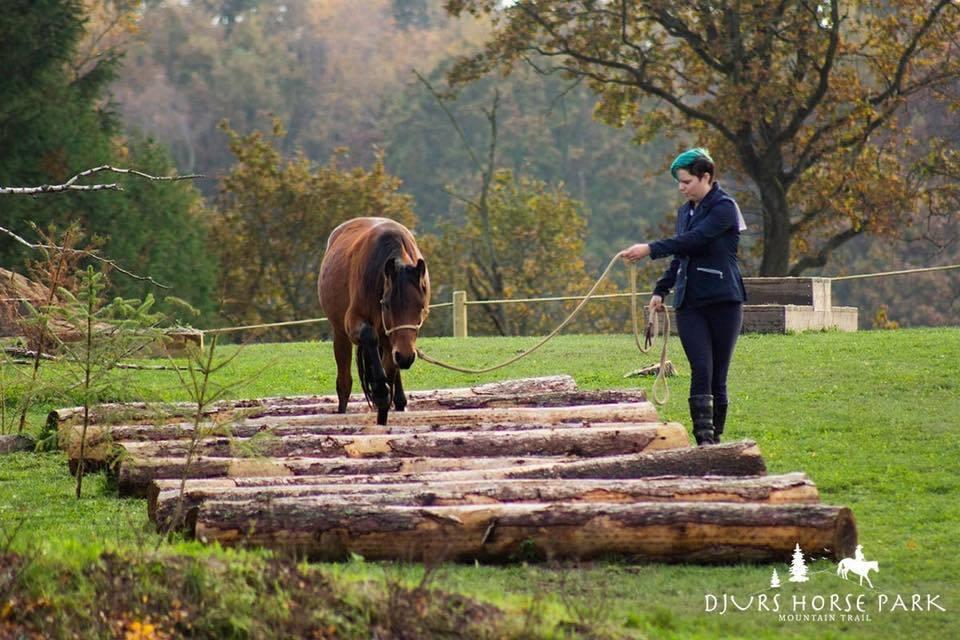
x=521, y=390
x=163, y=495
x=776, y=226
x=589, y=443
x=684, y=531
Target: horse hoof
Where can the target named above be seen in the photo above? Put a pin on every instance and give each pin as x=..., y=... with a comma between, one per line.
x=382, y=416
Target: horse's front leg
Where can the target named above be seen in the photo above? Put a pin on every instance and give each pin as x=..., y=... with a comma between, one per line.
x=393, y=378
x=371, y=371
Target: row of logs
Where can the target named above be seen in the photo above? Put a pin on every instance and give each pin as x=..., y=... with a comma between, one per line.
x=500, y=472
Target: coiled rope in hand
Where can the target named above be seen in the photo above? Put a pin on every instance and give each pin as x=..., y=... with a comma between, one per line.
x=569, y=318
x=648, y=339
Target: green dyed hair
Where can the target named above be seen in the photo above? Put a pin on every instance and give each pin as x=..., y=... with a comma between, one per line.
x=686, y=159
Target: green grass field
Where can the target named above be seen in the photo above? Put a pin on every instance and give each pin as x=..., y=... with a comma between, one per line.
x=872, y=417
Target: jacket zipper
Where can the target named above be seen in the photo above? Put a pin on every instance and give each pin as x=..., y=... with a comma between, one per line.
x=713, y=271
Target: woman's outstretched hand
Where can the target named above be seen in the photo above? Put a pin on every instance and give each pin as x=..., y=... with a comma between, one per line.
x=636, y=252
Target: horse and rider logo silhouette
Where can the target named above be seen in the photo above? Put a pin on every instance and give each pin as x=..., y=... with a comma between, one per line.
x=858, y=565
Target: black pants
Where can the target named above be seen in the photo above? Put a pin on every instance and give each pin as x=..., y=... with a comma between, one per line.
x=708, y=335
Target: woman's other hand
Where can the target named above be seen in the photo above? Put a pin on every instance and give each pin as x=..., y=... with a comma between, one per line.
x=656, y=304
x=636, y=252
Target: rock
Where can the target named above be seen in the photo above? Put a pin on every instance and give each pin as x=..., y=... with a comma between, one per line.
x=14, y=443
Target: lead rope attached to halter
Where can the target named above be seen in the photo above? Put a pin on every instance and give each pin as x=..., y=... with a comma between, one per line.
x=569, y=318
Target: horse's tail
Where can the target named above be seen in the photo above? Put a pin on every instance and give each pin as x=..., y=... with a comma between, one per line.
x=362, y=365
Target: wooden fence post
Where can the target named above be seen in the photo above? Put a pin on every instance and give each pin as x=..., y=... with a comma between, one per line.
x=459, y=314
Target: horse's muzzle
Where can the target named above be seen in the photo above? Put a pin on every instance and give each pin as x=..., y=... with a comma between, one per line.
x=402, y=361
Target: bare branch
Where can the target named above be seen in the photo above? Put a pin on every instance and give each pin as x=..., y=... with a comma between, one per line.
x=89, y=254
x=70, y=185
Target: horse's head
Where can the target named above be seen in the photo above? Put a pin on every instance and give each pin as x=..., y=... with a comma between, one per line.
x=406, y=298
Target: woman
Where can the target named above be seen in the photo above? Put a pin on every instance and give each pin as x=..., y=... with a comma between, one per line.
x=709, y=293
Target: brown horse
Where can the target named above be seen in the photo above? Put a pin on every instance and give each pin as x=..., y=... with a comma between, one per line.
x=375, y=291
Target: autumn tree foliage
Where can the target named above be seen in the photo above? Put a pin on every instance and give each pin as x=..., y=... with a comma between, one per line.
x=528, y=243
x=805, y=99
x=274, y=217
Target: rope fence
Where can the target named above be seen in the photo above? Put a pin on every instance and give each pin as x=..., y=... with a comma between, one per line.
x=607, y=296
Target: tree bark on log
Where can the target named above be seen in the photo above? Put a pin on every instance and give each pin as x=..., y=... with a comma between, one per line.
x=101, y=438
x=620, y=412
x=99, y=434
x=672, y=532
x=521, y=389
x=163, y=496
x=135, y=474
x=587, y=443
x=732, y=459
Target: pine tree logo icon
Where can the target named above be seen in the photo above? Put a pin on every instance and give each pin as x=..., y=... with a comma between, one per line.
x=774, y=580
x=798, y=568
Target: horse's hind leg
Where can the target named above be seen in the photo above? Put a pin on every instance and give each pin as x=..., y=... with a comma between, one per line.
x=343, y=353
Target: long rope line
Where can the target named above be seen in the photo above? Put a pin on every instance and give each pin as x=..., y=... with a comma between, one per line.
x=441, y=305
x=633, y=285
x=882, y=274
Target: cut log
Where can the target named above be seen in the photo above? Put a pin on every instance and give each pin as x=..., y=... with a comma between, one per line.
x=98, y=434
x=551, y=399
x=620, y=412
x=101, y=449
x=588, y=443
x=135, y=474
x=673, y=532
x=731, y=459
x=299, y=405
x=164, y=495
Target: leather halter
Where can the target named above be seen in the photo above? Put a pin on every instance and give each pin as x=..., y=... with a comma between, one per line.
x=383, y=320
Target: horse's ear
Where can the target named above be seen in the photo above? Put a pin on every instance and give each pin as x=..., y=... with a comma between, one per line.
x=421, y=268
x=390, y=269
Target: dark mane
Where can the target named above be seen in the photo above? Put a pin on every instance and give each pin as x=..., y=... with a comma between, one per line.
x=389, y=246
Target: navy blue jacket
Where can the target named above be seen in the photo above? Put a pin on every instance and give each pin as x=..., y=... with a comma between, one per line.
x=704, y=269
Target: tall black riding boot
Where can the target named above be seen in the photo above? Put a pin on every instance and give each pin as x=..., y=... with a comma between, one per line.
x=719, y=419
x=701, y=411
